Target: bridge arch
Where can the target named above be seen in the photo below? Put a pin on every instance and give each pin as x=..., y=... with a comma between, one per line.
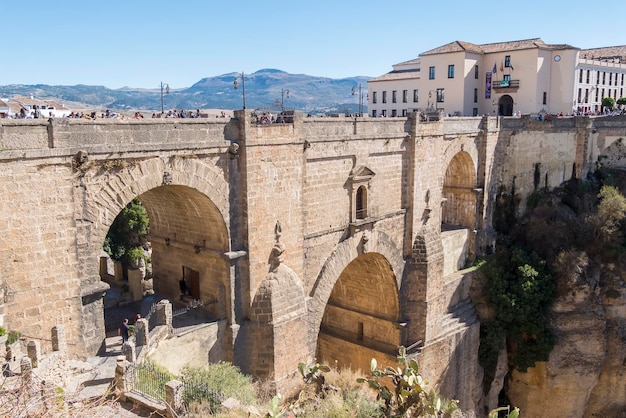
x=187, y=204
x=357, y=289
x=115, y=189
x=459, y=195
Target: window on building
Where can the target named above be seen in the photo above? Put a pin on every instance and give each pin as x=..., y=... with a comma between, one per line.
x=475, y=111
x=545, y=97
x=450, y=71
x=361, y=202
x=588, y=76
x=374, y=97
x=580, y=95
x=394, y=113
x=602, y=95
x=586, y=95
x=440, y=95
x=394, y=96
x=475, y=95
x=403, y=112
x=416, y=96
x=374, y=113
x=476, y=72
x=622, y=79
x=431, y=73
x=385, y=96
x=603, y=77
x=383, y=113
x=359, y=332
x=598, y=78
x=507, y=61
x=610, y=79
x=580, y=75
x=597, y=91
x=405, y=96
x=507, y=79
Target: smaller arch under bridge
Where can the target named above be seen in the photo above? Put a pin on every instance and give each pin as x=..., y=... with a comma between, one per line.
x=341, y=238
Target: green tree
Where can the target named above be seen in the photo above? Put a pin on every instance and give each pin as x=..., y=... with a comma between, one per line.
x=621, y=101
x=608, y=102
x=518, y=285
x=611, y=211
x=127, y=233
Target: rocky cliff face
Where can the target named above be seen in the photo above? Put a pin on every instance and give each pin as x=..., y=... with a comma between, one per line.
x=585, y=375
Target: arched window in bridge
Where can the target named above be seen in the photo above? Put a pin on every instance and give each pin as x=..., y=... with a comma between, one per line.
x=361, y=202
x=359, y=182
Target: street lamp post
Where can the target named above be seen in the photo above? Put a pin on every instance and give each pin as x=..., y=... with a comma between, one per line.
x=167, y=91
x=243, y=87
x=430, y=107
x=282, y=98
x=360, y=99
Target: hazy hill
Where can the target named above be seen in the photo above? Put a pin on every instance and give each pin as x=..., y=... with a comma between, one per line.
x=263, y=90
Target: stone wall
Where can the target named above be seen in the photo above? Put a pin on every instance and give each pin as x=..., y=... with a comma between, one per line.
x=222, y=193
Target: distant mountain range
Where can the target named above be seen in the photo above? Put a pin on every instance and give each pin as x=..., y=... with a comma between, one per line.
x=265, y=88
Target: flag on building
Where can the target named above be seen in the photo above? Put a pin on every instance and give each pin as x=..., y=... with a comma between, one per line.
x=501, y=67
x=495, y=69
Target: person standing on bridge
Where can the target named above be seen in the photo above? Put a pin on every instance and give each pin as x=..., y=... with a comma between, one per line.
x=124, y=330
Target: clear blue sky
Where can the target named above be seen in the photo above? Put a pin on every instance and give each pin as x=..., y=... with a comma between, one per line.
x=140, y=43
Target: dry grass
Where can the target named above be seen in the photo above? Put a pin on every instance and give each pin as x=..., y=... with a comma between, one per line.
x=21, y=397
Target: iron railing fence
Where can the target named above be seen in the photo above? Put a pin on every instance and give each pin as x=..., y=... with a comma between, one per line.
x=199, y=393
x=148, y=380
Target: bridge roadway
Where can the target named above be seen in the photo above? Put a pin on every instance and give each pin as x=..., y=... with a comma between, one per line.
x=321, y=237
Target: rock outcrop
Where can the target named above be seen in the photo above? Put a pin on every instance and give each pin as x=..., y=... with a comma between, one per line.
x=585, y=375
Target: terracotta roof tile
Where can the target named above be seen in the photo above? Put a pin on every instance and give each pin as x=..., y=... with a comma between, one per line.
x=410, y=62
x=606, y=53
x=461, y=46
x=23, y=100
x=398, y=75
x=456, y=46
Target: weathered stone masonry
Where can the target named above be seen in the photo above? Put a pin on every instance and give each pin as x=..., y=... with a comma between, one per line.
x=353, y=207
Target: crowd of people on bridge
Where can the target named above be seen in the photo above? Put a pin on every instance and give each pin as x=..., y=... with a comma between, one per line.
x=182, y=113
x=37, y=113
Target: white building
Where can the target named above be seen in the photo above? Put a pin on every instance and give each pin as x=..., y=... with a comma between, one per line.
x=25, y=107
x=505, y=78
x=4, y=109
x=395, y=93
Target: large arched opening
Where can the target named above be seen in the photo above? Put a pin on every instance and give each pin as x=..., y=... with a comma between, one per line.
x=505, y=106
x=186, y=243
x=361, y=317
x=458, y=214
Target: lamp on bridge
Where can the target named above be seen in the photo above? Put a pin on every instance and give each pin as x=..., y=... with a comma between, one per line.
x=167, y=91
x=430, y=106
x=361, y=93
x=283, y=93
x=243, y=87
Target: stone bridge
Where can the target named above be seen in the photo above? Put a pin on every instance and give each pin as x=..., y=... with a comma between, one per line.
x=340, y=238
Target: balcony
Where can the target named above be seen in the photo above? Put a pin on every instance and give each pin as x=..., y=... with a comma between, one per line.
x=505, y=84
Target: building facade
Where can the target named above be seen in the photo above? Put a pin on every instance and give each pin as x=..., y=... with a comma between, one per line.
x=505, y=78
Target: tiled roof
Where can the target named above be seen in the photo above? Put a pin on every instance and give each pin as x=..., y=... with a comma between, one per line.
x=15, y=107
x=410, y=62
x=31, y=101
x=398, y=75
x=460, y=46
x=606, y=53
x=456, y=46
